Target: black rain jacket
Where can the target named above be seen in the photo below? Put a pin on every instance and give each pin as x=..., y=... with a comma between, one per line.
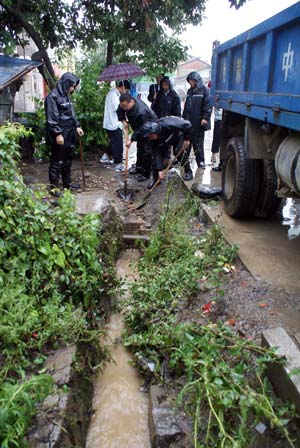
x=197, y=106
x=136, y=116
x=166, y=104
x=172, y=131
x=60, y=114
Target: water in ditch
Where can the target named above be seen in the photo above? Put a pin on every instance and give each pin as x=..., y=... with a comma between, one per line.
x=120, y=417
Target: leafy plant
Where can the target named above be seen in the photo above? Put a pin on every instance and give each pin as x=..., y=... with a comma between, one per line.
x=52, y=281
x=225, y=391
x=17, y=406
x=89, y=100
x=37, y=122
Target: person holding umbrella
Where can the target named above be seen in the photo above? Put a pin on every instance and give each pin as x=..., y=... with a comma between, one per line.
x=113, y=126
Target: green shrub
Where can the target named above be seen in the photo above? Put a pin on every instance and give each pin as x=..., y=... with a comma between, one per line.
x=89, y=101
x=51, y=284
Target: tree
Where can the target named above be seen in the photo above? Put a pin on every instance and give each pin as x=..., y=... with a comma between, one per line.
x=133, y=29
x=47, y=22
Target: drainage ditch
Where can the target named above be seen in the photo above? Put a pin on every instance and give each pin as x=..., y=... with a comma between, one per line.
x=120, y=410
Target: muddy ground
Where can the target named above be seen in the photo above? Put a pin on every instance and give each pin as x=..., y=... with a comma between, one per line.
x=249, y=306
x=246, y=305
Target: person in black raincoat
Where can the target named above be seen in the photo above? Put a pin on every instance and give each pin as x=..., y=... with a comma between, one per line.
x=61, y=129
x=167, y=101
x=197, y=110
x=154, y=88
x=164, y=134
x=136, y=113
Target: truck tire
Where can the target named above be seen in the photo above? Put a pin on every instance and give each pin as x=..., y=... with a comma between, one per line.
x=267, y=202
x=240, y=180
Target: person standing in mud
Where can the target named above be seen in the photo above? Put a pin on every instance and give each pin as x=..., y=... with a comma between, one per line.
x=62, y=127
x=135, y=112
x=167, y=101
x=197, y=110
x=165, y=133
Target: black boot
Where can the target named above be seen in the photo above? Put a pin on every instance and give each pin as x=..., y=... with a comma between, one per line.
x=188, y=175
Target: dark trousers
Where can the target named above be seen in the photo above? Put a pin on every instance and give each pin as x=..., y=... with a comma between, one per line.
x=116, y=144
x=144, y=157
x=197, y=140
x=60, y=165
x=161, y=156
x=216, y=137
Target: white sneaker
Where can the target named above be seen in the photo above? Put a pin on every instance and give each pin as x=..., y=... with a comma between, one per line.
x=104, y=159
x=120, y=168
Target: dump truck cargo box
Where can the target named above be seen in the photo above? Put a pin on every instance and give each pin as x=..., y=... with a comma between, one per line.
x=257, y=74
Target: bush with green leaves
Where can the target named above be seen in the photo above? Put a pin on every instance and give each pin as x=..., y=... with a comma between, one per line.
x=225, y=392
x=52, y=274
x=89, y=100
x=36, y=121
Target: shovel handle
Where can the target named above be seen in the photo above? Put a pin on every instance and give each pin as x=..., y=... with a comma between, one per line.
x=167, y=169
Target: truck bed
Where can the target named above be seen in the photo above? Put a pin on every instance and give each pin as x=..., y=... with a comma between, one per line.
x=257, y=74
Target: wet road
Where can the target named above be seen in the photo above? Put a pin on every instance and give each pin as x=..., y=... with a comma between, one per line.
x=270, y=249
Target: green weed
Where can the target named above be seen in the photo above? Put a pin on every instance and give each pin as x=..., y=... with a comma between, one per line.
x=225, y=391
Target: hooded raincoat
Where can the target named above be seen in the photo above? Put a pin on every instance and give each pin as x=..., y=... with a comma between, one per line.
x=61, y=120
x=196, y=109
x=166, y=103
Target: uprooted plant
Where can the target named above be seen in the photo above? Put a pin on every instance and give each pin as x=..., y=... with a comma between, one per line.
x=225, y=392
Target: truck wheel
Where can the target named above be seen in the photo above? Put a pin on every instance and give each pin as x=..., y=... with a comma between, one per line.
x=240, y=180
x=267, y=202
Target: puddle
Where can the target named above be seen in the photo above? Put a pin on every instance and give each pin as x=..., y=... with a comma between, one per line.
x=120, y=416
x=291, y=217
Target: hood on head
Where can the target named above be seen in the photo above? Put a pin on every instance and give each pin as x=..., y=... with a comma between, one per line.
x=196, y=77
x=167, y=80
x=150, y=127
x=66, y=81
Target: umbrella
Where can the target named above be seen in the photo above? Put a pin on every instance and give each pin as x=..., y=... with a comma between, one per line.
x=124, y=70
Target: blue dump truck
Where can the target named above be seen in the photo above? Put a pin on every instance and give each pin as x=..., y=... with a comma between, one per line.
x=256, y=81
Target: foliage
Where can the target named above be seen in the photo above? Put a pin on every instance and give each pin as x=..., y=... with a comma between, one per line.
x=17, y=406
x=223, y=374
x=37, y=122
x=52, y=278
x=126, y=26
x=89, y=100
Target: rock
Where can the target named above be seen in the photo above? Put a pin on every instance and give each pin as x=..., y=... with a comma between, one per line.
x=63, y=418
x=284, y=377
x=166, y=428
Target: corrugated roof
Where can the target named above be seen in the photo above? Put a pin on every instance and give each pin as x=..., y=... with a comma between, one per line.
x=12, y=69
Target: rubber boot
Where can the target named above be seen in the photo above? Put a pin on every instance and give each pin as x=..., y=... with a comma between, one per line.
x=188, y=173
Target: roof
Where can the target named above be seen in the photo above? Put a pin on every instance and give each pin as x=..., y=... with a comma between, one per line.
x=11, y=69
x=194, y=63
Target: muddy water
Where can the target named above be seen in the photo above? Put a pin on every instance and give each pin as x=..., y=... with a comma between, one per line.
x=120, y=416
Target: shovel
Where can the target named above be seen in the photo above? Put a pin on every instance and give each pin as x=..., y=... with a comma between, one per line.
x=144, y=200
x=81, y=163
x=126, y=194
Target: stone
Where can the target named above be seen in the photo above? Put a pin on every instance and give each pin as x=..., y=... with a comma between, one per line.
x=165, y=430
x=60, y=364
x=285, y=383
